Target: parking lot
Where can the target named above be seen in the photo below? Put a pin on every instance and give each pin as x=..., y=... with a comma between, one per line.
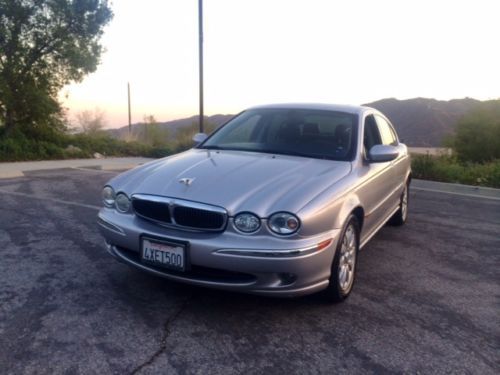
x=426, y=299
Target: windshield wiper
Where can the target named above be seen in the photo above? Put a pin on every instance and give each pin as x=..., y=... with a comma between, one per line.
x=211, y=147
x=295, y=153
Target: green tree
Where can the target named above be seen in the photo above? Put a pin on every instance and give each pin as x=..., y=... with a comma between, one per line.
x=45, y=44
x=91, y=122
x=477, y=135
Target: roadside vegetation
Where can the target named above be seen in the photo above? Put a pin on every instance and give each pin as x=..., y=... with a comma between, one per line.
x=476, y=151
x=449, y=169
x=89, y=140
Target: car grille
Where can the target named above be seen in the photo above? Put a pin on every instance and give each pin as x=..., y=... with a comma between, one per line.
x=179, y=213
x=156, y=211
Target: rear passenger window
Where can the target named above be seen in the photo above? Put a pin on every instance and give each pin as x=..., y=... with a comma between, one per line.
x=386, y=132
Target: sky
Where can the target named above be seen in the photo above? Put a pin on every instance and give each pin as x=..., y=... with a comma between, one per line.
x=275, y=51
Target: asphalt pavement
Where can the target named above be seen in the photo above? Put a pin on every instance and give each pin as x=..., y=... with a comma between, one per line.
x=19, y=168
x=426, y=299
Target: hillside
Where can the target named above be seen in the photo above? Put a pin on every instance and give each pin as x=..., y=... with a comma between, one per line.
x=419, y=122
x=424, y=122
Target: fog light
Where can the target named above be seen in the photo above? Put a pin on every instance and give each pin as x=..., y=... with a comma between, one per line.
x=287, y=278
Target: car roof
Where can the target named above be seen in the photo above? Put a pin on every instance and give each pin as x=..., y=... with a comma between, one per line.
x=321, y=106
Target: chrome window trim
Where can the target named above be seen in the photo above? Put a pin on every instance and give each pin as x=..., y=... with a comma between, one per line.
x=176, y=202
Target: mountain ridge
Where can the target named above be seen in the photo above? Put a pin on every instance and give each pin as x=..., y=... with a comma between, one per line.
x=420, y=122
x=424, y=122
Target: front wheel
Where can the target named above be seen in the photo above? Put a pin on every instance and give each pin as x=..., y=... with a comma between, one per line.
x=344, y=262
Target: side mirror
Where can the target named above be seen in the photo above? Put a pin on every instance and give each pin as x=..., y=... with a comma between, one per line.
x=199, y=137
x=381, y=153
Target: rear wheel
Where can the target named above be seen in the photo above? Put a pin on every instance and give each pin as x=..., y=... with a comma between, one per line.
x=344, y=262
x=399, y=218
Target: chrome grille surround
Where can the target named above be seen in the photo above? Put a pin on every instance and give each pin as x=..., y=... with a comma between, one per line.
x=202, y=210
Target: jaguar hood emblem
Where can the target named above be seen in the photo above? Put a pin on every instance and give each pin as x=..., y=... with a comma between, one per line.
x=186, y=181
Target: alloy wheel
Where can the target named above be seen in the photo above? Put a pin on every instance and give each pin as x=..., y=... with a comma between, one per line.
x=404, y=203
x=347, y=258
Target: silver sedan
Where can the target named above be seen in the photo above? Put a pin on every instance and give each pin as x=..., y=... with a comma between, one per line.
x=278, y=201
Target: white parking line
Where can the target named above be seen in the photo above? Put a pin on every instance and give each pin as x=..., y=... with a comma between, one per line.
x=24, y=195
x=455, y=193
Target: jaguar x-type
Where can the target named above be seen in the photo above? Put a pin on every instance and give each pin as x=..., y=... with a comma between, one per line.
x=278, y=201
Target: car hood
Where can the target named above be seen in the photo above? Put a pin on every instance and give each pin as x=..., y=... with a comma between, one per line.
x=236, y=180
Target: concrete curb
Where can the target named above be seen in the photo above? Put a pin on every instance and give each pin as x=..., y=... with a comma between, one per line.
x=456, y=189
x=11, y=174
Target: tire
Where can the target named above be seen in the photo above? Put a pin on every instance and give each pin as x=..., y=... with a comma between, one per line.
x=344, y=263
x=401, y=215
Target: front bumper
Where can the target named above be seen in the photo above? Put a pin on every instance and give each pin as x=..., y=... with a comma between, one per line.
x=258, y=264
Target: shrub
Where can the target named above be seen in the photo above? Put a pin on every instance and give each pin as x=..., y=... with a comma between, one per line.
x=450, y=169
x=18, y=147
x=21, y=148
x=477, y=134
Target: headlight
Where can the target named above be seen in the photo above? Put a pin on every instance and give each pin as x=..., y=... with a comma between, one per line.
x=122, y=203
x=246, y=222
x=108, y=196
x=283, y=223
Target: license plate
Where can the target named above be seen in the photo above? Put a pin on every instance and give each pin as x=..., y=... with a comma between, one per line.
x=168, y=255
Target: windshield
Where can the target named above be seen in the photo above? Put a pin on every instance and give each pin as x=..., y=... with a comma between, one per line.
x=310, y=133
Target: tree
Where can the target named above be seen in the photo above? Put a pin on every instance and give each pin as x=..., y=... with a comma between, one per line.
x=91, y=122
x=153, y=134
x=477, y=135
x=45, y=44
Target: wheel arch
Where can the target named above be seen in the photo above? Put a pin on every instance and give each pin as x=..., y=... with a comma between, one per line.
x=359, y=213
x=351, y=206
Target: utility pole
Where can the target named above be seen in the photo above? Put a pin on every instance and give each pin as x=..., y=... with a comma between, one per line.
x=200, y=55
x=129, y=111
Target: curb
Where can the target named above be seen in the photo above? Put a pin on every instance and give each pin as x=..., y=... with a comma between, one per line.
x=11, y=174
x=456, y=189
